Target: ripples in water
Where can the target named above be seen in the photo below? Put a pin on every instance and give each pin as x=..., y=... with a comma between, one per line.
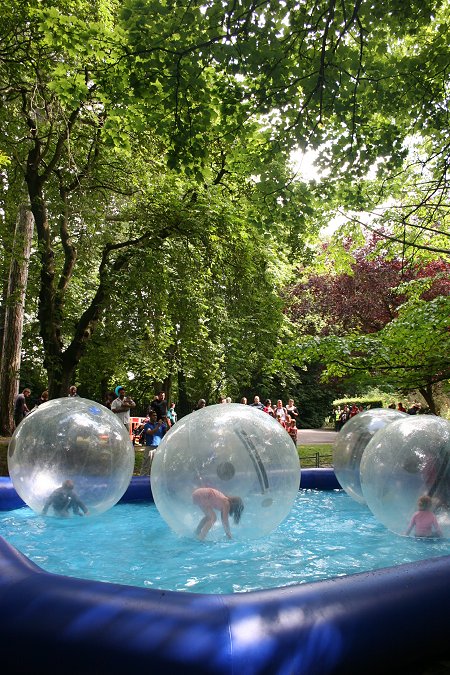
x=326, y=535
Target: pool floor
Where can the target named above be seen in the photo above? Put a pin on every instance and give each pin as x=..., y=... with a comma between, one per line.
x=326, y=535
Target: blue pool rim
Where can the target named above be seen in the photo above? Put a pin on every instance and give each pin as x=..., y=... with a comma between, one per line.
x=364, y=623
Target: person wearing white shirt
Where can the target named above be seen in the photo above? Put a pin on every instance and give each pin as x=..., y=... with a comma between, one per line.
x=121, y=406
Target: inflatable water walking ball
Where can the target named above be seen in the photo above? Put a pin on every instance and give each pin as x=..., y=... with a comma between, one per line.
x=236, y=449
x=351, y=442
x=71, y=439
x=406, y=460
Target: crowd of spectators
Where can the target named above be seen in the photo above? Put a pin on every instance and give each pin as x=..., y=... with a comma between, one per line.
x=285, y=415
x=161, y=417
x=122, y=405
x=342, y=415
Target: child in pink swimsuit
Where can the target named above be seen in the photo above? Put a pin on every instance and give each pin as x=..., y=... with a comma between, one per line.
x=424, y=521
x=210, y=500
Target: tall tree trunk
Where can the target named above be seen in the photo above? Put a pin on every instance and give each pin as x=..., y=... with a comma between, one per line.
x=167, y=387
x=14, y=311
x=61, y=362
x=60, y=378
x=428, y=394
x=2, y=312
x=104, y=389
x=183, y=406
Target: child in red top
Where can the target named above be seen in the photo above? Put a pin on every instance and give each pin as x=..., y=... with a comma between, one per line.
x=210, y=500
x=424, y=521
x=291, y=428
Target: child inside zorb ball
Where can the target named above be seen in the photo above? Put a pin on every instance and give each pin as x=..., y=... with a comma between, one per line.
x=69, y=443
x=218, y=461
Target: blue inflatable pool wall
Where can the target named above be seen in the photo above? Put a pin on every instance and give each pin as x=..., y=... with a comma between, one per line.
x=374, y=622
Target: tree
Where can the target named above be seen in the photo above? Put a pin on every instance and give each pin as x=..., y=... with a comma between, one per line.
x=13, y=321
x=312, y=70
x=73, y=164
x=379, y=320
x=364, y=296
x=102, y=99
x=206, y=312
x=88, y=157
x=410, y=353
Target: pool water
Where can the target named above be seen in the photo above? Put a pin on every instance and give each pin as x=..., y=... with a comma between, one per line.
x=326, y=535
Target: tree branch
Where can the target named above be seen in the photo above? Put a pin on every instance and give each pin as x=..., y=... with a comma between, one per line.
x=384, y=235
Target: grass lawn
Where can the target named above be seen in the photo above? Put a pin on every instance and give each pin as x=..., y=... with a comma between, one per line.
x=316, y=455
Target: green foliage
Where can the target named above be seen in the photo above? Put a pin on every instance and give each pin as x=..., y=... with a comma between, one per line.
x=382, y=321
x=309, y=72
x=365, y=401
x=154, y=138
x=313, y=397
x=410, y=352
x=4, y=159
x=206, y=304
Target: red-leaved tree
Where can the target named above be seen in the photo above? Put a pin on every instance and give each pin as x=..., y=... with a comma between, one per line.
x=363, y=300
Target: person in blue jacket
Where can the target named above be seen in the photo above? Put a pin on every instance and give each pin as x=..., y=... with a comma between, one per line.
x=152, y=433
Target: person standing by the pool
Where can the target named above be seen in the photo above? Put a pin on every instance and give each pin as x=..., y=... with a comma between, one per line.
x=172, y=414
x=257, y=403
x=110, y=396
x=280, y=413
x=292, y=430
x=152, y=433
x=21, y=409
x=159, y=405
x=201, y=403
x=292, y=410
x=268, y=407
x=121, y=406
x=210, y=501
x=43, y=398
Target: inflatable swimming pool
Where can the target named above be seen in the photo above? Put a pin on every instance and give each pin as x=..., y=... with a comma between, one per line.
x=373, y=622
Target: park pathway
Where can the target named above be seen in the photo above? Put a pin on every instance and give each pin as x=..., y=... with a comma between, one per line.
x=315, y=436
